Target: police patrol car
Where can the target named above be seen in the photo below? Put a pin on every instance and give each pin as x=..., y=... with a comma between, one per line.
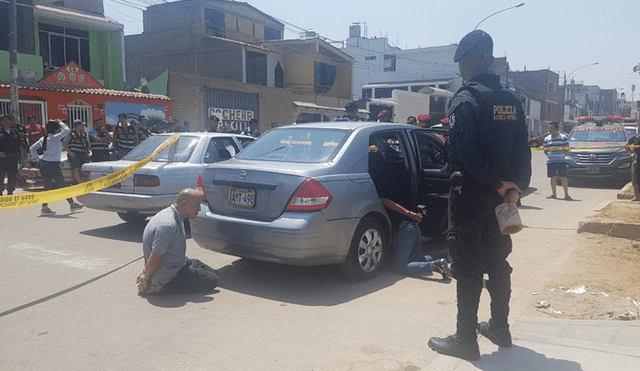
x=597, y=149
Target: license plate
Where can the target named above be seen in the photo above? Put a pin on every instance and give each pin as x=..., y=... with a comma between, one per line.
x=242, y=197
x=593, y=170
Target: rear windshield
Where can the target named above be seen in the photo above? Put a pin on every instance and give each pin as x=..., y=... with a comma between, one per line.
x=305, y=145
x=598, y=134
x=186, y=145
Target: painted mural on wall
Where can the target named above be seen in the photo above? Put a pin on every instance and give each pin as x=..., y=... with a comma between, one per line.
x=70, y=75
x=133, y=110
x=236, y=119
x=155, y=86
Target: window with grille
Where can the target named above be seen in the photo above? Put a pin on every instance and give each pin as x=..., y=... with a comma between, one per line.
x=324, y=77
x=61, y=45
x=80, y=110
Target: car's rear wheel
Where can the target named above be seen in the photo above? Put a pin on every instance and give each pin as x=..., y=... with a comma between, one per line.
x=534, y=144
x=367, y=250
x=132, y=218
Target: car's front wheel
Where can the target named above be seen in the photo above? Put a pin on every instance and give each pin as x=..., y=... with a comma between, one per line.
x=534, y=144
x=132, y=218
x=367, y=250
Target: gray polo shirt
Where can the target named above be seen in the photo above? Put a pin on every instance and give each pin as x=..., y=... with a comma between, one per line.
x=164, y=234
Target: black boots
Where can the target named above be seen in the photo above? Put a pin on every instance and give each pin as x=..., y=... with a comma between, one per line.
x=455, y=346
x=467, y=347
x=500, y=336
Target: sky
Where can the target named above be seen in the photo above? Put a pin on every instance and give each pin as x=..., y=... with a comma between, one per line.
x=561, y=35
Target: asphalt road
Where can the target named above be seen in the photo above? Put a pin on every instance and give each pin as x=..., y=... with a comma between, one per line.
x=68, y=299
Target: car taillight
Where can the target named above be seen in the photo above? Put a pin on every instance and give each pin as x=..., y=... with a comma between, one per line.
x=199, y=187
x=146, y=180
x=310, y=196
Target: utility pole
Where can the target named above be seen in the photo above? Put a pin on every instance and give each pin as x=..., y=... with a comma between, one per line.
x=13, y=59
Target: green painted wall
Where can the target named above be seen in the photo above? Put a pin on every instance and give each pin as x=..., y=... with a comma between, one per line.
x=25, y=62
x=106, y=58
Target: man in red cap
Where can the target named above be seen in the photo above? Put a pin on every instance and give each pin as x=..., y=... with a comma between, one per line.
x=384, y=116
x=424, y=120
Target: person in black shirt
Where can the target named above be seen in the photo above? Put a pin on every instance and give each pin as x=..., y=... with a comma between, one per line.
x=488, y=146
x=10, y=153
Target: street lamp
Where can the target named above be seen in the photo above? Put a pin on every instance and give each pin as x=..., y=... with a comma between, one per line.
x=579, y=68
x=515, y=6
x=564, y=92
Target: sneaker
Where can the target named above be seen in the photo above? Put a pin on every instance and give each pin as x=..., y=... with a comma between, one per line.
x=46, y=211
x=500, y=336
x=568, y=198
x=456, y=347
x=442, y=266
x=75, y=207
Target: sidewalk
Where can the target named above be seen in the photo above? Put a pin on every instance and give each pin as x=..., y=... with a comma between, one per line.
x=556, y=344
x=541, y=343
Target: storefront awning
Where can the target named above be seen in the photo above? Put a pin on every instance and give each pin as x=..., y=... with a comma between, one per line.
x=34, y=86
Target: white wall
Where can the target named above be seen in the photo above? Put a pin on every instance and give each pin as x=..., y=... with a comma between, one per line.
x=422, y=64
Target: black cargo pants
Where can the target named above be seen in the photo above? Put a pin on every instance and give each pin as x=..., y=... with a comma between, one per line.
x=477, y=247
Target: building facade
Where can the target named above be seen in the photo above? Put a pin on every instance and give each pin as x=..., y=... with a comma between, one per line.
x=232, y=59
x=380, y=68
x=68, y=39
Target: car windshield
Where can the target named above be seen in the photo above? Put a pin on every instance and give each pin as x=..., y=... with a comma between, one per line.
x=631, y=132
x=598, y=134
x=301, y=144
x=186, y=146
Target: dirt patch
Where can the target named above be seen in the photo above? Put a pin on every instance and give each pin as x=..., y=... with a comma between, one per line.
x=605, y=272
x=618, y=211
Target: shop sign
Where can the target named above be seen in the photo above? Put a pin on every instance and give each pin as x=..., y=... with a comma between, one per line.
x=237, y=119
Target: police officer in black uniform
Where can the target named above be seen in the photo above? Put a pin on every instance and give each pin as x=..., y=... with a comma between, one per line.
x=351, y=113
x=10, y=153
x=143, y=131
x=489, y=147
x=125, y=136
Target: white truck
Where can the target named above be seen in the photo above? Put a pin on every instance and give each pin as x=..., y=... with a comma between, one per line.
x=403, y=104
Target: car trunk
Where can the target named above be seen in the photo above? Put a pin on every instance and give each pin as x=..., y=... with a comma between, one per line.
x=249, y=191
x=100, y=169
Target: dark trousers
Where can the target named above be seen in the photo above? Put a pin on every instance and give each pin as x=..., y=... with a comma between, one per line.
x=100, y=155
x=194, y=277
x=478, y=247
x=9, y=168
x=52, y=177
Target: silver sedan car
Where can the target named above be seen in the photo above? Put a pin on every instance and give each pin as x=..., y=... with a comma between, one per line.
x=310, y=194
x=156, y=185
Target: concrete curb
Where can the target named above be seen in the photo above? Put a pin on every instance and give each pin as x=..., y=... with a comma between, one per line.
x=621, y=230
x=623, y=195
x=630, y=231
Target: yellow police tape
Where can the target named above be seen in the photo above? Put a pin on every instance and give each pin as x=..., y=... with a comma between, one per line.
x=28, y=199
x=572, y=148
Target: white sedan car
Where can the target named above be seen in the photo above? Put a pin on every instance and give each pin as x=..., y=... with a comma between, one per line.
x=156, y=185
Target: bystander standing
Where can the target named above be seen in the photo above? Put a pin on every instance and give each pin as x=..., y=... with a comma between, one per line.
x=51, y=146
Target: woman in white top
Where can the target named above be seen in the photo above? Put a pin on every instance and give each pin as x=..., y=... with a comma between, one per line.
x=51, y=145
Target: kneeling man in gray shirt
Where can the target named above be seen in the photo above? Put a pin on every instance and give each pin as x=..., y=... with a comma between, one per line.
x=167, y=269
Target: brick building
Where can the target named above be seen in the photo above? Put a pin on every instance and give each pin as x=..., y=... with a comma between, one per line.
x=228, y=58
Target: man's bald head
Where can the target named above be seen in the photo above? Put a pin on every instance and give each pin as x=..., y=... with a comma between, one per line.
x=188, y=203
